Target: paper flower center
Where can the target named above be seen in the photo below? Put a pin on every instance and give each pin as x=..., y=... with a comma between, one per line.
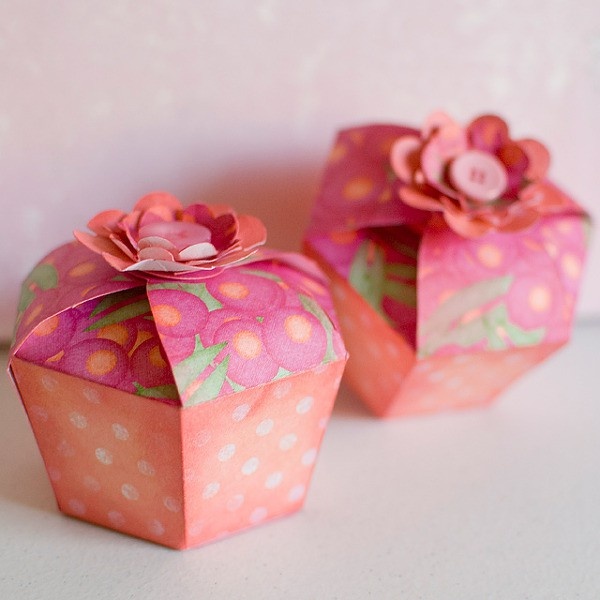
x=479, y=175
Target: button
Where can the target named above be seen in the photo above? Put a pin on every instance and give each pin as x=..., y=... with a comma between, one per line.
x=479, y=175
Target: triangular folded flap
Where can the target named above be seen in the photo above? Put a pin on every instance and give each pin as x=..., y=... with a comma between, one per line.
x=67, y=277
x=197, y=323
x=359, y=188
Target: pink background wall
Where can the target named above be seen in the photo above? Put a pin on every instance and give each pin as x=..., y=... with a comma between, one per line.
x=238, y=101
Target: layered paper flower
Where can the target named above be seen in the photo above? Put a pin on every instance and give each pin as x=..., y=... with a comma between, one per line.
x=161, y=237
x=478, y=177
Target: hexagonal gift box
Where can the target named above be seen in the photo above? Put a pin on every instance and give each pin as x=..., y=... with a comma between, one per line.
x=177, y=406
x=455, y=264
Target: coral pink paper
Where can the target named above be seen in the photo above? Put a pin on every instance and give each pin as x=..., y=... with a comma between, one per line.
x=177, y=406
x=411, y=291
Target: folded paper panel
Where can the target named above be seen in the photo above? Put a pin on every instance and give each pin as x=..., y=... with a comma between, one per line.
x=454, y=244
x=126, y=378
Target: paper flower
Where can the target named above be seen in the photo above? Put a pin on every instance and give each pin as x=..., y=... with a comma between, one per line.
x=478, y=177
x=162, y=238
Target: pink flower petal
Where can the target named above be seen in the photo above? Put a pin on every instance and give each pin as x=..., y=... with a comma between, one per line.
x=179, y=233
x=198, y=251
x=158, y=199
x=516, y=162
x=434, y=121
x=539, y=158
x=106, y=222
x=153, y=241
x=404, y=157
x=488, y=133
x=116, y=240
x=158, y=265
x=416, y=199
x=464, y=224
x=155, y=254
x=447, y=143
x=99, y=245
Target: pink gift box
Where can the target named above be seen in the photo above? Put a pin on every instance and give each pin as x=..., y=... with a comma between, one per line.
x=174, y=410
x=438, y=308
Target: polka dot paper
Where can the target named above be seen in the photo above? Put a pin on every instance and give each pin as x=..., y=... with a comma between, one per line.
x=439, y=311
x=177, y=409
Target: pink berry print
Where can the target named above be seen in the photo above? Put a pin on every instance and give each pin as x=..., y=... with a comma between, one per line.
x=249, y=361
x=149, y=366
x=99, y=360
x=177, y=313
x=245, y=292
x=296, y=339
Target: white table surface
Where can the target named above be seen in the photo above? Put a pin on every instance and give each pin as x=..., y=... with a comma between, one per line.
x=496, y=503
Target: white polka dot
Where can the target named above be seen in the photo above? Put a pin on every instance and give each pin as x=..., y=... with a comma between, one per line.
x=339, y=292
x=196, y=528
x=273, y=480
x=282, y=389
x=347, y=323
x=226, y=452
x=54, y=473
x=38, y=413
x=129, y=491
x=116, y=518
x=104, y=456
x=235, y=502
x=465, y=392
x=78, y=420
x=155, y=527
x=91, y=395
x=190, y=474
x=264, y=427
x=172, y=504
x=120, y=432
x=146, y=468
x=336, y=382
x=202, y=438
x=65, y=449
x=49, y=383
x=211, y=489
x=305, y=405
x=392, y=349
x=91, y=483
x=323, y=422
x=461, y=359
x=288, y=441
x=240, y=412
x=258, y=514
x=513, y=359
x=436, y=376
x=320, y=369
x=250, y=466
x=77, y=506
x=423, y=367
x=374, y=350
x=296, y=493
x=365, y=318
x=454, y=383
x=309, y=457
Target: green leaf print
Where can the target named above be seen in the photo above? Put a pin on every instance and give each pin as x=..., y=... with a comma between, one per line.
x=311, y=306
x=401, y=292
x=114, y=299
x=493, y=326
x=168, y=391
x=465, y=300
x=130, y=311
x=209, y=389
x=367, y=273
x=43, y=277
x=197, y=289
x=187, y=371
x=264, y=274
